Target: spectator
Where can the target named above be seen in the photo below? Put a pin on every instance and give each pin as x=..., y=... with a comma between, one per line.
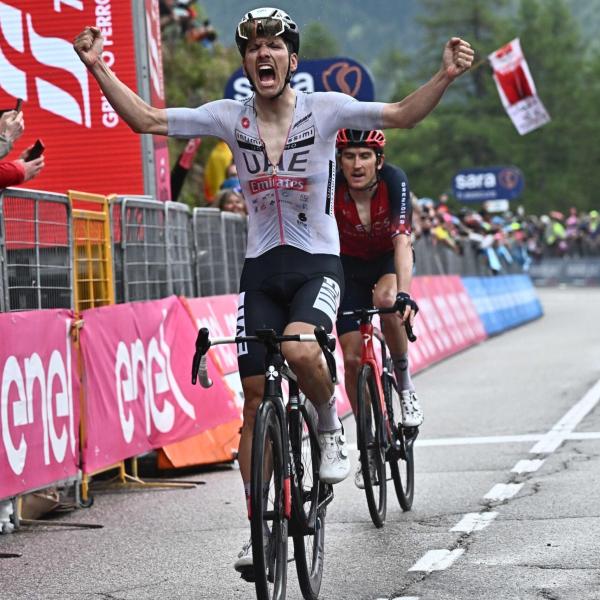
x=11, y=129
x=18, y=171
x=215, y=171
x=231, y=200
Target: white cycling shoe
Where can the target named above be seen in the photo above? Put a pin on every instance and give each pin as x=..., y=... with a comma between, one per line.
x=244, y=563
x=412, y=413
x=359, y=481
x=335, y=464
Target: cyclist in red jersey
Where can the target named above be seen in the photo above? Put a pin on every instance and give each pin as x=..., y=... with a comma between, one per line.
x=373, y=211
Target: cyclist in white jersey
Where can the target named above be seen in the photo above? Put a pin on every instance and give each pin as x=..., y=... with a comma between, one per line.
x=283, y=143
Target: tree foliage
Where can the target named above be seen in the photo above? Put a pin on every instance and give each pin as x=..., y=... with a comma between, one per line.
x=470, y=127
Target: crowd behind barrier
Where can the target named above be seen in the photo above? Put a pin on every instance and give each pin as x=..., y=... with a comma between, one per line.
x=76, y=254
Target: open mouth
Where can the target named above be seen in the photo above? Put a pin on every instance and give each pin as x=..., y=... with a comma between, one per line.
x=266, y=74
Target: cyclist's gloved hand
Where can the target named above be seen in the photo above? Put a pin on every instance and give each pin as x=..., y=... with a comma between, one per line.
x=403, y=300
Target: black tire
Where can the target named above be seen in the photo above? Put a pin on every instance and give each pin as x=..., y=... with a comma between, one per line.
x=370, y=438
x=267, y=518
x=309, y=547
x=400, y=453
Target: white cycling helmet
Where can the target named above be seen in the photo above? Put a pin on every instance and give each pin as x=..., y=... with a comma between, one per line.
x=269, y=22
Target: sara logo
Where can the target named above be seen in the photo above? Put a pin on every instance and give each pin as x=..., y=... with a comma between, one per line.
x=324, y=75
x=44, y=54
x=343, y=77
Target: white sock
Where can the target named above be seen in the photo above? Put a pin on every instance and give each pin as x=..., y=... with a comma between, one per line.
x=328, y=417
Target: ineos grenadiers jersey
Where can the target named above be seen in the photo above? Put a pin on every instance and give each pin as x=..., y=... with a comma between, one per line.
x=391, y=215
x=291, y=203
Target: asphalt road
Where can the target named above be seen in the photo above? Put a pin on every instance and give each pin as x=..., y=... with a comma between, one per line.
x=510, y=447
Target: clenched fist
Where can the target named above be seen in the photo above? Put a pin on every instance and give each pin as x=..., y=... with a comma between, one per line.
x=457, y=57
x=89, y=45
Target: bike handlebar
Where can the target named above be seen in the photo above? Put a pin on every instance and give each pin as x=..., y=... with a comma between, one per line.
x=365, y=315
x=326, y=342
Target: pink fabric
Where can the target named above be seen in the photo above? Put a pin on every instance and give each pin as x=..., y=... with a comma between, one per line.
x=39, y=400
x=219, y=315
x=138, y=387
x=447, y=321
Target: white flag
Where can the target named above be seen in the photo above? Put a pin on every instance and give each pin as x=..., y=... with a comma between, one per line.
x=516, y=88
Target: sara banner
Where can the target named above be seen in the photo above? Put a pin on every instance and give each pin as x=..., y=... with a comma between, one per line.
x=39, y=401
x=323, y=75
x=516, y=88
x=87, y=144
x=138, y=387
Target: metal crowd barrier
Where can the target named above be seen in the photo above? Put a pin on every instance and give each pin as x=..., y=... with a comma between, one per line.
x=153, y=251
x=36, y=244
x=220, y=244
x=145, y=251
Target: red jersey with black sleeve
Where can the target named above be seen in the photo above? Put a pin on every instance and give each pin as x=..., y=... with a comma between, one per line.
x=11, y=173
x=391, y=215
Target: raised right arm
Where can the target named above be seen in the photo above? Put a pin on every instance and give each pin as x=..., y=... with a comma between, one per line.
x=139, y=115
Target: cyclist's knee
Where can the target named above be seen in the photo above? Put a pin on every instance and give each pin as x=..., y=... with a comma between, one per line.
x=352, y=363
x=302, y=356
x=384, y=298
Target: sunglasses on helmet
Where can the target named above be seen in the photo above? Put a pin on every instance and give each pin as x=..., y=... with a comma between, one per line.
x=268, y=27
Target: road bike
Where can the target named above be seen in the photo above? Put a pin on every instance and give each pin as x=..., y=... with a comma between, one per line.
x=287, y=498
x=381, y=437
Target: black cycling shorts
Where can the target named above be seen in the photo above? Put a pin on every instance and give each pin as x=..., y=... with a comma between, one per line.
x=282, y=286
x=360, y=277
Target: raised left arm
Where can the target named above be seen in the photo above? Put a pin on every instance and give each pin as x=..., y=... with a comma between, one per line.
x=456, y=59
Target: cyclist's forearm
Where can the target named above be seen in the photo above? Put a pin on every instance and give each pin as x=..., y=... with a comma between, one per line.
x=403, y=262
x=139, y=115
x=416, y=106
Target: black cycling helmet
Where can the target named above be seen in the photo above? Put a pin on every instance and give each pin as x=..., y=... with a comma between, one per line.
x=269, y=22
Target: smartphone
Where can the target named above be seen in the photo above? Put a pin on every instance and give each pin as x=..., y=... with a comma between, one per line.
x=17, y=107
x=36, y=151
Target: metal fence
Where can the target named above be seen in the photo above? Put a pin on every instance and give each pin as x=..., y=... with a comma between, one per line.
x=157, y=249
x=36, y=245
x=153, y=251
x=220, y=244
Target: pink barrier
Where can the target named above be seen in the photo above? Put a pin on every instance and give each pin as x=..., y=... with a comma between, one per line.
x=219, y=315
x=447, y=321
x=39, y=401
x=138, y=387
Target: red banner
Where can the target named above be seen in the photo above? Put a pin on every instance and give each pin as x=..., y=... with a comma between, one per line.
x=138, y=387
x=88, y=147
x=39, y=401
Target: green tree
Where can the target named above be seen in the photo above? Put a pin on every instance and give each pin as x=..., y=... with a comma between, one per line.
x=318, y=42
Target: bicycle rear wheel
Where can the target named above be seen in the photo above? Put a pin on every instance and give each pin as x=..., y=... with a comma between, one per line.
x=370, y=445
x=267, y=519
x=400, y=453
x=309, y=541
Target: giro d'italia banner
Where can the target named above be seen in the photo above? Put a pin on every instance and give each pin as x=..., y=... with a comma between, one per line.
x=517, y=89
x=325, y=75
x=87, y=145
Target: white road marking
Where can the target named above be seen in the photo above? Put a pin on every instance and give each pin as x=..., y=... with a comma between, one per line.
x=474, y=522
x=555, y=437
x=503, y=491
x=498, y=439
x=437, y=560
x=528, y=466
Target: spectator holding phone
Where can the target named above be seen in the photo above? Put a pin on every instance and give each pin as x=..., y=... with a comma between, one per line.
x=29, y=164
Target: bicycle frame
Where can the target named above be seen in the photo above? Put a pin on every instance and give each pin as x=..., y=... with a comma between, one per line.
x=368, y=331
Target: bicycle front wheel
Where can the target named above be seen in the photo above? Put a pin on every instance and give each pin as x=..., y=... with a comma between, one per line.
x=309, y=541
x=370, y=444
x=400, y=453
x=267, y=518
